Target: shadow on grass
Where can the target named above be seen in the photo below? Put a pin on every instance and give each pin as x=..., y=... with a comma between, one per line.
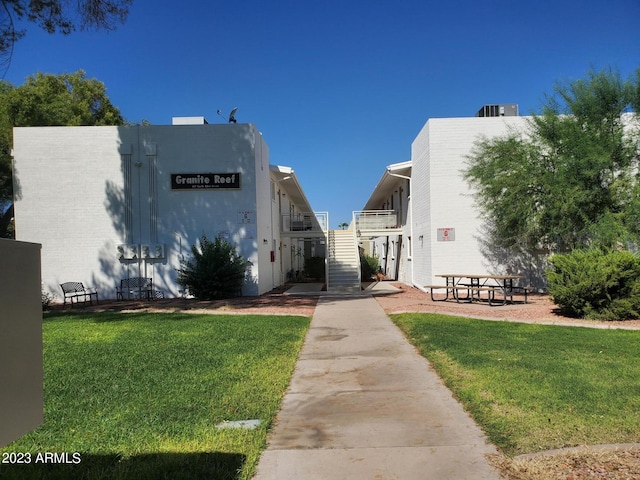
x=174, y=466
x=110, y=317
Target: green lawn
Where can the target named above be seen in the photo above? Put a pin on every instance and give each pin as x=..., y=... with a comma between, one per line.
x=139, y=395
x=536, y=387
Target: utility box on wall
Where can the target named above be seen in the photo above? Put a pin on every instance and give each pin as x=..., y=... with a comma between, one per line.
x=21, y=369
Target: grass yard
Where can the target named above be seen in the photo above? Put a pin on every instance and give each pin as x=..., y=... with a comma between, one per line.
x=140, y=395
x=536, y=387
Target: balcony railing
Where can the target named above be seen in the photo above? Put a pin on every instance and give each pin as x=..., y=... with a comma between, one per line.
x=312, y=222
x=375, y=220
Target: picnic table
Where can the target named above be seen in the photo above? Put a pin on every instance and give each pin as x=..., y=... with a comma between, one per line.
x=497, y=289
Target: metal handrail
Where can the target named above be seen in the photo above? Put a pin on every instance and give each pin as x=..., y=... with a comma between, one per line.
x=375, y=219
x=305, y=222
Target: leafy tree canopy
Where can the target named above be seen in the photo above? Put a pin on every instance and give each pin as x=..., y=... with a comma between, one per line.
x=70, y=99
x=571, y=179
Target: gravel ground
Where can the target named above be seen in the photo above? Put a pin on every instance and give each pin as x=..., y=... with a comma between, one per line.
x=273, y=303
x=611, y=462
x=538, y=309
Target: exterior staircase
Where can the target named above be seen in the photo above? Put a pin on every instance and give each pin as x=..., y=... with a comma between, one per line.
x=344, y=262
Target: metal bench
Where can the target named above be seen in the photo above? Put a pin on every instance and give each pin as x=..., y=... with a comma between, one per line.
x=76, y=293
x=135, y=287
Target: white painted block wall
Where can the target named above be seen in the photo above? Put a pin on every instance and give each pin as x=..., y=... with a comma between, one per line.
x=63, y=179
x=443, y=199
x=70, y=197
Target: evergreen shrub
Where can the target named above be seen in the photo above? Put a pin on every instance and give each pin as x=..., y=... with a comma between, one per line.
x=314, y=267
x=596, y=283
x=216, y=271
x=368, y=266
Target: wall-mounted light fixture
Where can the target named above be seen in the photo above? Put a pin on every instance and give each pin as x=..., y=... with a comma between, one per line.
x=265, y=241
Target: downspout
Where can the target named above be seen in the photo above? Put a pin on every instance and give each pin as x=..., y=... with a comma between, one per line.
x=413, y=283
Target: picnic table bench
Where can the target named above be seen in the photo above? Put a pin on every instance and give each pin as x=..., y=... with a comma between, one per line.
x=76, y=292
x=499, y=289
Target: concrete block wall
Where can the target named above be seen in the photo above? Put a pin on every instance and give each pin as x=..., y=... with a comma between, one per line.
x=421, y=209
x=72, y=189
x=63, y=178
x=443, y=198
x=266, y=228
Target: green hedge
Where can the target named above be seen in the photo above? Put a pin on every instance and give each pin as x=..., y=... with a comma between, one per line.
x=597, y=284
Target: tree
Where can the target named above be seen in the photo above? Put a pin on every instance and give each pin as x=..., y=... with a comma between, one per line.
x=57, y=16
x=48, y=100
x=69, y=99
x=571, y=179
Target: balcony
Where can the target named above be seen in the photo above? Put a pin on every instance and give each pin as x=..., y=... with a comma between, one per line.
x=305, y=225
x=375, y=223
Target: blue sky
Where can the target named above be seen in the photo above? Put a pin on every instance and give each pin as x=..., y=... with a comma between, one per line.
x=339, y=89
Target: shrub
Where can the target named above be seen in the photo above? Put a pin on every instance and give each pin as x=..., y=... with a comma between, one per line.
x=595, y=283
x=46, y=298
x=314, y=267
x=216, y=270
x=368, y=266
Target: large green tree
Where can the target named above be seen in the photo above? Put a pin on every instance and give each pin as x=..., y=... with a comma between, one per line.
x=70, y=99
x=571, y=179
x=57, y=16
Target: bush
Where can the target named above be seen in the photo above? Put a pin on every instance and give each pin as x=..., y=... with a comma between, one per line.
x=368, y=266
x=46, y=298
x=314, y=267
x=216, y=271
x=597, y=284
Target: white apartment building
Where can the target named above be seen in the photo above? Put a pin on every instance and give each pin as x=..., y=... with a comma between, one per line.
x=110, y=203
x=438, y=228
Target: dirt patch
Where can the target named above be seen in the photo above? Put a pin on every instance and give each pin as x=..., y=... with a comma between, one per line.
x=538, y=309
x=587, y=464
x=272, y=303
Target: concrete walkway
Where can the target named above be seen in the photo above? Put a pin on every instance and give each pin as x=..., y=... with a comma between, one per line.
x=363, y=404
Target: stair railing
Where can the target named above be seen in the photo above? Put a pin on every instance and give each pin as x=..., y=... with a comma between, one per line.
x=357, y=247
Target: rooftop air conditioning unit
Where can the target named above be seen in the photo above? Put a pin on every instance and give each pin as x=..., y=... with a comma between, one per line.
x=501, y=110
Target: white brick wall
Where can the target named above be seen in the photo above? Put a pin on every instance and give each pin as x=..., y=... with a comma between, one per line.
x=71, y=198
x=62, y=182
x=442, y=198
x=421, y=212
